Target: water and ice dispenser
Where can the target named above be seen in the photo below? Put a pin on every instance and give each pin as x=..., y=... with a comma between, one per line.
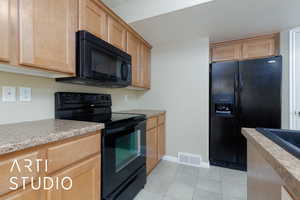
x=223, y=105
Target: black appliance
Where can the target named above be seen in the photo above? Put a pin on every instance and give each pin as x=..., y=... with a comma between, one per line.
x=99, y=63
x=242, y=94
x=123, y=141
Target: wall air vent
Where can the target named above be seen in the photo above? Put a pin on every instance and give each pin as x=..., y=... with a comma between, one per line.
x=189, y=159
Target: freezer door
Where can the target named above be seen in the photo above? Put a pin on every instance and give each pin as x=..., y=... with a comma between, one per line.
x=260, y=92
x=224, y=125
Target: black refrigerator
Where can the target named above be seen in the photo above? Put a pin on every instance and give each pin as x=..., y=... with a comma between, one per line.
x=242, y=94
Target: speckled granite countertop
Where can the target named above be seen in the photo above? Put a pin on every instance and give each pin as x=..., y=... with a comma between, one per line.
x=19, y=136
x=285, y=164
x=148, y=113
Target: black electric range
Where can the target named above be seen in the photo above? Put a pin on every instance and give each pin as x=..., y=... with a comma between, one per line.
x=123, y=141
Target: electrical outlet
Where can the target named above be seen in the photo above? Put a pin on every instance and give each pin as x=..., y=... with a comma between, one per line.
x=25, y=94
x=8, y=94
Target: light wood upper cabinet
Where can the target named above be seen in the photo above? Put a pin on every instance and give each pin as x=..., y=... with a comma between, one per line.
x=133, y=49
x=85, y=182
x=4, y=30
x=116, y=34
x=47, y=34
x=146, y=66
x=93, y=18
x=226, y=52
x=250, y=48
x=258, y=48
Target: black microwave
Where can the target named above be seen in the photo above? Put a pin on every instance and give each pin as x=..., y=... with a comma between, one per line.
x=99, y=63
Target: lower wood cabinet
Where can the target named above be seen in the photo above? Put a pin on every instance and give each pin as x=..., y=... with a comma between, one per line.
x=28, y=194
x=77, y=159
x=152, y=159
x=156, y=141
x=161, y=146
x=85, y=181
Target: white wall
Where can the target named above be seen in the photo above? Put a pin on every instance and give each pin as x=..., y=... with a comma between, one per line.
x=180, y=84
x=284, y=51
x=42, y=104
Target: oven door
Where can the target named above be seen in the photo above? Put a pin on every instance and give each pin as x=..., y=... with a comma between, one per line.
x=123, y=153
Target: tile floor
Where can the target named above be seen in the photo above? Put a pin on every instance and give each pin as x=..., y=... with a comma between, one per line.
x=171, y=181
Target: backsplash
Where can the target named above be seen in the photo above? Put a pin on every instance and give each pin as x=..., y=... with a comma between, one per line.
x=41, y=105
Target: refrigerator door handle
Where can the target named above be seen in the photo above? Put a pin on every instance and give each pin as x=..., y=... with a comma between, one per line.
x=241, y=86
x=236, y=90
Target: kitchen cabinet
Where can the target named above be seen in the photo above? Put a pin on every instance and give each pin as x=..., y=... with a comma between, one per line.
x=140, y=55
x=116, y=34
x=250, y=48
x=161, y=150
x=226, y=52
x=85, y=181
x=152, y=159
x=133, y=49
x=28, y=194
x=93, y=18
x=156, y=140
x=47, y=34
x=256, y=48
x=146, y=66
x=65, y=158
x=4, y=30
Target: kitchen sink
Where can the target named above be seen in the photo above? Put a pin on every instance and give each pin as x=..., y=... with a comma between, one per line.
x=287, y=139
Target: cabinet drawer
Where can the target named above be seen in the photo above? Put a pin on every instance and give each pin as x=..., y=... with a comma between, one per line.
x=151, y=123
x=9, y=168
x=65, y=154
x=161, y=119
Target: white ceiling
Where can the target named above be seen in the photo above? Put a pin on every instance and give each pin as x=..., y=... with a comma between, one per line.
x=221, y=20
x=136, y=10
x=114, y=3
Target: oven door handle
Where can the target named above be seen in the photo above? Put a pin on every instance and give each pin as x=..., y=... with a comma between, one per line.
x=118, y=130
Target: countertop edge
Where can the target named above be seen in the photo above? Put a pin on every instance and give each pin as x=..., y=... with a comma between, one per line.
x=290, y=179
x=36, y=141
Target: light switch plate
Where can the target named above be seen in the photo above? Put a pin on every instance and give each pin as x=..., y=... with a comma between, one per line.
x=25, y=94
x=8, y=94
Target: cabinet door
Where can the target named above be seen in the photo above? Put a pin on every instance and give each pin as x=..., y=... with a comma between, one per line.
x=226, y=52
x=146, y=66
x=161, y=150
x=116, y=34
x=47, y=34
x=133, y=49
x=258, y=48
x=93, y=18
x=4, y=30
x=85, y=182
x=28, y=194
x=151, y=149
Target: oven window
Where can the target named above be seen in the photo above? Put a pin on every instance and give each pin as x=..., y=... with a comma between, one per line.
x=128, y=148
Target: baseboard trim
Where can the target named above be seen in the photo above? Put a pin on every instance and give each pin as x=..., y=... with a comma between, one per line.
x=175, y=160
